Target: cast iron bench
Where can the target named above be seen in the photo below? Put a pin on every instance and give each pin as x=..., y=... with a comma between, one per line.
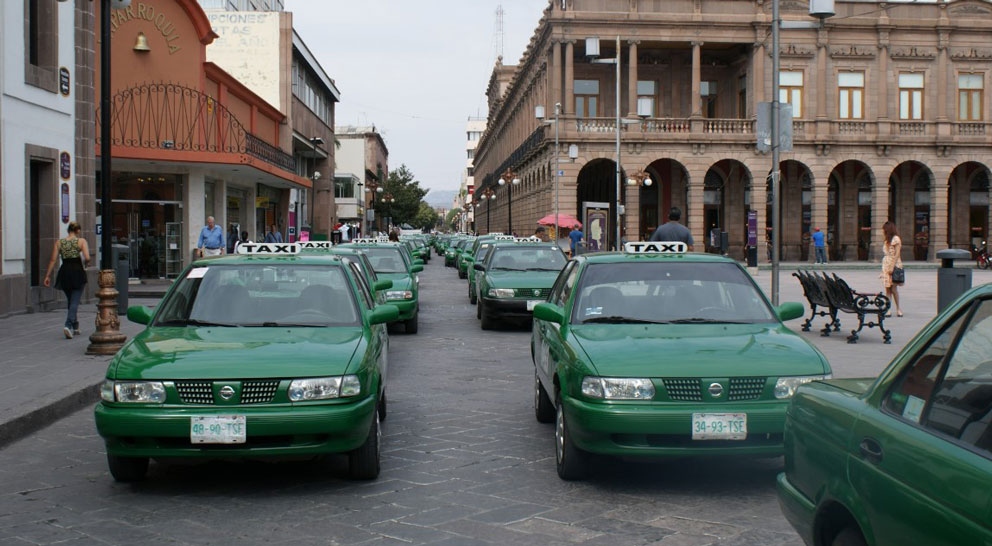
x=815, y=290
x=843, y=298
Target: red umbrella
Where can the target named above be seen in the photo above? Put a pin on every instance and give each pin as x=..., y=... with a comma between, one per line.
x=564, y=220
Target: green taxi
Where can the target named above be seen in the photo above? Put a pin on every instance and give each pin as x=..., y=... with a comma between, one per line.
x=209, y=376
x=484, y=246
x=379, y=286
x=905, y=458
x=392, y=261
x=516, y=275
x=658, y=352
x=468, y=257
x=454, y=249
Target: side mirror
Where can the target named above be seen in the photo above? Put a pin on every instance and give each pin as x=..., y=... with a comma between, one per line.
x=384, y=313
x=382, y=284
x=468, y=258
x=418, y=261
x=416, y=268
x=549, y=312
x=139, y=314
x=789, y=310
x=479, y=267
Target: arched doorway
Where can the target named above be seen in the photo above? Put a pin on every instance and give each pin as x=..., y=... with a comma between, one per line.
x=968, y=205
x=796, y=181
x=596, y=203
x=669, y=189
x=909, y=207
x=726, y=200
x=849, y=221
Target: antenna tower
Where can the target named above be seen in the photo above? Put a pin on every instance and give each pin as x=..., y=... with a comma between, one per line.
x=498, y=33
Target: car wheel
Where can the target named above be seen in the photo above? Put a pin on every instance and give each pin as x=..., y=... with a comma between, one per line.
x=478, y=310
x=544, y=410
x=412, y=325
x=462, y=274
x=849, y=536
x=570, y=461
x=488, y=322
x=363, y=462
x=382, y=407
x=471, y=295
x=127, y=469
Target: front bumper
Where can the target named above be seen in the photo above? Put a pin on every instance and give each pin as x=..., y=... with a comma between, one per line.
x=665, y=429
x=408, y=308
x=799, y=510
x=506, y=308
x=274, y=430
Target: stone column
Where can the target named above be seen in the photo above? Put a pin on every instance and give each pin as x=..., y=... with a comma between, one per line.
x=821, y=198
x=555, y=76
x=632, y=79
x=695, y=104
x=758, y=74
x=632, y=212
x=943, y=122
x=194, y=214
x=569, y=106
x=882, y=77
x=822, y=77
x=695, y=223
x=879, y=215
x=938, y=211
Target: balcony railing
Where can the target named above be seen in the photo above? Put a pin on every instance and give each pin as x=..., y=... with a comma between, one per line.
x=172, y=117
x=728, y=126
x=913, y=128
x=970, y=128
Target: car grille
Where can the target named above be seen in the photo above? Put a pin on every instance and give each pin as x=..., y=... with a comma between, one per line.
x=529, y=293
x=195, y=392
x=746, y=388
x=252, y=392
x=684, y=390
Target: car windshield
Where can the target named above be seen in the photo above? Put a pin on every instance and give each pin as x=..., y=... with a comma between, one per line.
x=483, y=252
x=524, y=258
x=386, y=259
x=260, y=294
x=667, y=292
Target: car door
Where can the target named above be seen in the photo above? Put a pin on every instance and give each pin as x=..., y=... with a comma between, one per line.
x=920, y=459
x=379, y=342
x=554, y=348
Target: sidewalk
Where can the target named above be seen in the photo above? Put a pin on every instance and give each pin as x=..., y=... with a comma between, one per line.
x=43, y=376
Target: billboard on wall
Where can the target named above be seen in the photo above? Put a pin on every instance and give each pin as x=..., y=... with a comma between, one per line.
x=248, y=49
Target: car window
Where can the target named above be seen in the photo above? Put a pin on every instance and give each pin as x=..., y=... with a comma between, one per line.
x=655, y=291
x=483, y=252
x=567, y=285
x=260, y=294
x=961, y=406
x=524, y=258
x=363, y=287
x=386, y=259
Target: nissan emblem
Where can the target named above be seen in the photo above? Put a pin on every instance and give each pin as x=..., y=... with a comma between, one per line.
x=227, y=392
x=716, y=390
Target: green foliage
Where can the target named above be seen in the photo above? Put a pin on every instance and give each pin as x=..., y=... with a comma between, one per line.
x=451, y=220
x=408, y=194
x=426, y=217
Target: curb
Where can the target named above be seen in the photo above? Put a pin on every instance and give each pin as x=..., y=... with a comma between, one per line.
x=39, y=418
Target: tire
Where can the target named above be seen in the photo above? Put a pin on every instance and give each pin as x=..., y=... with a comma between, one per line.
x=488, y=322
x=462, y=274
x=478, y=310
x=383, y=407
x=363, y=462
x=570, y=461
x=127, y=469
x=849, y=536
x=411, y=326
x=471, y=295
x=544, y=410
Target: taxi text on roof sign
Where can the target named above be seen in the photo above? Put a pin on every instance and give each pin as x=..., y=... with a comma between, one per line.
x=527, y=239
x=656, y=247
x=256, y=249
x=315, y=245
x=367, y=241
x=505, y=238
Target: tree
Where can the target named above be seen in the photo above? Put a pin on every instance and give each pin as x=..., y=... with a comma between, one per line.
x=451, y=220
x=426, y=217
x=406, y=192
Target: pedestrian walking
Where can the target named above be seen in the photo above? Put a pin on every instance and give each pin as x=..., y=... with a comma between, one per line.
x=575, y=239
x=672, y=230
x=71, y=277
x=893, y=275
x=211, y=241
x=274, y=235
x=542, y=233
x=232, y=238
x=394, y=235
x=819, y=246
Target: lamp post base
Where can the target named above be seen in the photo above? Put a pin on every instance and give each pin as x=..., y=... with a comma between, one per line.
x=108, y=338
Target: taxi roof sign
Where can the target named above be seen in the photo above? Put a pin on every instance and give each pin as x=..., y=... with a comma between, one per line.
x=527, y=239
x=505, y=238
x=268, y=249
x=315, y=245
x=656, y=247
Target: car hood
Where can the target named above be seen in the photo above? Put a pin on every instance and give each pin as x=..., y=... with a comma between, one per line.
x=401, y=281
x=237, y=353
x=521, y=279
x=694, y=350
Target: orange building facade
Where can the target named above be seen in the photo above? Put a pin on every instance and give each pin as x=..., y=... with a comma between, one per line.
x=189, y=141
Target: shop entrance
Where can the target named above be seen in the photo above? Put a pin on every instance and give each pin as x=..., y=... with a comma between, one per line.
x=149, y=230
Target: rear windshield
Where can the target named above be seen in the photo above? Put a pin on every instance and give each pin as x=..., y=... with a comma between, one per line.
x=386, y=259
x=524, y=258
x=668, y=292
x=256, y=294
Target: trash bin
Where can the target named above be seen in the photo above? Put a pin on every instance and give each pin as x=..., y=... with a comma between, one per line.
x=121, y=256
x=951, y=281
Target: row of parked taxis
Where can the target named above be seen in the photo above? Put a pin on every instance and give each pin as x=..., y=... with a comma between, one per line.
x=279, y=350
x=658, y=352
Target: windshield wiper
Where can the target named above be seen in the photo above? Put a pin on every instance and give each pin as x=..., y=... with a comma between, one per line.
x=194, y=322
x=543, y=269
x=286, y=325
x=613, y=319
x=699, y=320
x=508, y=269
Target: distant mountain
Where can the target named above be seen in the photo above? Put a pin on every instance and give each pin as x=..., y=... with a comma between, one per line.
x=441, y=198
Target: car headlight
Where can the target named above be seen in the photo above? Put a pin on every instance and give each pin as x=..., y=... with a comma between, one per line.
x=785, y=387
x=399, y=295
x=502, y=292
x=324, y=388
x=618, y=388
x=136, y=392
x=107, y=391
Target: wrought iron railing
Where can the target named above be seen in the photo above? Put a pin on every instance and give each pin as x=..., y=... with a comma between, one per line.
x=173, y=117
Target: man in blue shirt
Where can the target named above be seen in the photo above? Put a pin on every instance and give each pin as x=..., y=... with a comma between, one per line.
x=211, y=241
x=575, y=237
x=274, y=235
x=819, y=245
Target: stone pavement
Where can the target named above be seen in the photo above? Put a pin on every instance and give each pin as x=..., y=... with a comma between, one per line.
x=44, y=376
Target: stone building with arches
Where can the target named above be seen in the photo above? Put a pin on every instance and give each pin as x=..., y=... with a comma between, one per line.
x=889, y=122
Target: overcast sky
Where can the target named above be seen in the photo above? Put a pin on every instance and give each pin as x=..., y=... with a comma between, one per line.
x=417, y=69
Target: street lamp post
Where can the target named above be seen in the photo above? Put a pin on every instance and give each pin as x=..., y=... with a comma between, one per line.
x=372, y=187
x=314, y=177
x=539, y=113
x=107, y=338
x=488, y=195
x=509, y=176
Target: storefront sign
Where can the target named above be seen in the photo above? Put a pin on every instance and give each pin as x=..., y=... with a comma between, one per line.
x=146, y=12
x=65, y=165
x=65, y=203
x=261, y=202
x=752, y=228
x=64, y=81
